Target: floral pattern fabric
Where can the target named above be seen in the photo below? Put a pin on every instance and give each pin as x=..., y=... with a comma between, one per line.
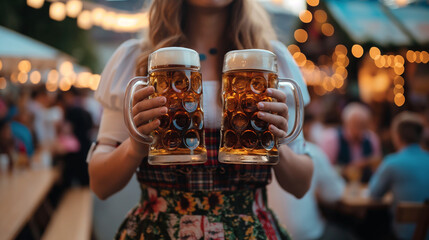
x=202, y=215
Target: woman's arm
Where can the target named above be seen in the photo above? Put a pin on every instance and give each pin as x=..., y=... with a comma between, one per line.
x=294, y=171
x=109, y=172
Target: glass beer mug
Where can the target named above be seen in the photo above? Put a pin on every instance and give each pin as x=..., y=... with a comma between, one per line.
x=174, y=72
x=245, y=139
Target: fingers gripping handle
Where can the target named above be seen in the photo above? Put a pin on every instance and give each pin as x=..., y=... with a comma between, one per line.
x=299, y=109
x=128, y=109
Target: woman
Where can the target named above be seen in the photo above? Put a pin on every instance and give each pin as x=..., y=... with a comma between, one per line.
x=214, y=201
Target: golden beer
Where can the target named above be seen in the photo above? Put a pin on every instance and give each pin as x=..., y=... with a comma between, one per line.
x=179, y=139
x=245, y=139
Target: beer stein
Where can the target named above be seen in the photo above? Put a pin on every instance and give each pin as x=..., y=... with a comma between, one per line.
x=174, y=72
x=245, y=139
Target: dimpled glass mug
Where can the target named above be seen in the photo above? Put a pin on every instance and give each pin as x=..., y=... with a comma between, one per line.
x=245, y=139
x=174, y=72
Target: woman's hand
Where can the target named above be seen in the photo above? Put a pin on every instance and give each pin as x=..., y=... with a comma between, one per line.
x=278, y=118
x=144, y=110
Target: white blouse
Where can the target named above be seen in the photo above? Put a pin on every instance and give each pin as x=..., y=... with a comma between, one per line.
x=121, y=68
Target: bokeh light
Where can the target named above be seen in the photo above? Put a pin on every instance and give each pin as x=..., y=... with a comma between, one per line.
x=313, y=3
x=320, y=16
x=305, y=16
x=57, y=11
x=399, y=99
x=35, y=77
x=357, y=50
x=300, y=35
x=374, y=52
x=73, y=8
x=328, y=29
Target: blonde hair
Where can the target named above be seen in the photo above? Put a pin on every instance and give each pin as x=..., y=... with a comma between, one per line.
x=249, y=26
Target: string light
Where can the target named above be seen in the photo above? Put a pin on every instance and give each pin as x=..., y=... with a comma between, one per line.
x=301, y=35
x=357, y=51
x=328, y=29
x=399, y=99
x=418, y=60
x=320, y=16
x=305, y=16
x=1, y=65
x=22, y=77
x=293, y=48
x=57, y=11
x=313, y=3
x=35, y=77
x=73, y=8
x=35, y=3
x=398, y=80
x=374, y=52
x=84, y=20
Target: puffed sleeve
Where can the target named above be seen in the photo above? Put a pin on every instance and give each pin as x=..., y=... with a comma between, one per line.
x=289, y=69
x=110, y=93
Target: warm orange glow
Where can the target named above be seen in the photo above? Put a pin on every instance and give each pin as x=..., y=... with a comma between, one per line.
x=301, y=35
x=73, y=8
x=338, y=80
x=65, y=84
x=424, y=57
x=24, y=66
x=35, y=77
x=22, y=77
x=320, y=16
x=390, y=61
x=1, y=65
x=379, y=61
x=3, y=83
x=305, y=16
x=399, y=70
x=66, y=68
x=313, y=3
x=399, y=60
x=319, y=90
x=398, y=80
x=57, y=11
x=51, y=86
x=35, y=3
x=94, y=81
x=411, y=56
x=293, y=48
x=109, y=20
x=97, y=15
x=84, y=20
x=328, y=29
x=418, y=60
x=53, y=76
x=398, y=89
x=340, y=48
x=399, y=99
x=300, y=58
x=357, y=51
x=374, y=52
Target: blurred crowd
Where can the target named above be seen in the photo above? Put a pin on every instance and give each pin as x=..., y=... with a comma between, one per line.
x=58, y=127
x=345, y=140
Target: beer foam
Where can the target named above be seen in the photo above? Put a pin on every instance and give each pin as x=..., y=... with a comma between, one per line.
x=258, y=59
x=173, y=56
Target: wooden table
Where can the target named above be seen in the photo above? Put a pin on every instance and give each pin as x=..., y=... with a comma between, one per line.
x=357, y=196
x=21, y=193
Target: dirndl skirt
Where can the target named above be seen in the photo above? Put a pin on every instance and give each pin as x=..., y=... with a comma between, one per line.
x=170, y=214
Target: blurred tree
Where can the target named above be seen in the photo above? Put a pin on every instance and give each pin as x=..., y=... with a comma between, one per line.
x=36, y=23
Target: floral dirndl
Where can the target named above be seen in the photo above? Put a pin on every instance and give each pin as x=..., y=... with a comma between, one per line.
x=206, y=201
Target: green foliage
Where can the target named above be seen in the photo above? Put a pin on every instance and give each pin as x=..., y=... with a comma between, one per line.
x=66, y=36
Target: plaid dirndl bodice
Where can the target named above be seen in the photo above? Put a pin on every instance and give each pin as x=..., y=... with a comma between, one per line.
x=211, y=176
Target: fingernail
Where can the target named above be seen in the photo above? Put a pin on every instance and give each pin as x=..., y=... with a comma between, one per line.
x=269, y=91
x=164, y=110
x=261, y=114
x=260, y=105
x=163, y=100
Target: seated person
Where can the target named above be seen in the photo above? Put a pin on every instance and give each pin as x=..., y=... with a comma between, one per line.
x=406, y=172
x=353, y=144
x=301, y=216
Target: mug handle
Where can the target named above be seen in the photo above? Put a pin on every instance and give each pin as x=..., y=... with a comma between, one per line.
x=128, y=109
x=299, y=109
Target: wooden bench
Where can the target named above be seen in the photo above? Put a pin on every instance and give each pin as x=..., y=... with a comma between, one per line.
x=73, y=217
x=410, y=212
